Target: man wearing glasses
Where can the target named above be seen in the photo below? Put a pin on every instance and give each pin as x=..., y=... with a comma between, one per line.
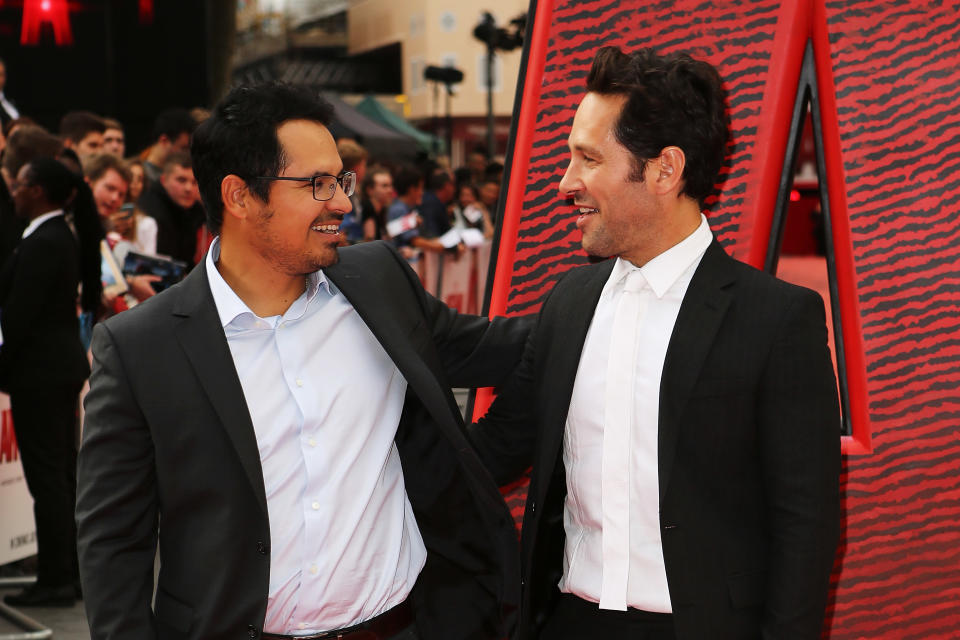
x=285, y=416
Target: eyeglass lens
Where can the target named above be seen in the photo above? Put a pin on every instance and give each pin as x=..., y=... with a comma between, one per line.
x=325, y=186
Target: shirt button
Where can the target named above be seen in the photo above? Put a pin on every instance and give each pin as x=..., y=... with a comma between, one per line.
x=302, y=625
x=314, y=569
x=299, y=382
x=316, y=506
x=312, y=442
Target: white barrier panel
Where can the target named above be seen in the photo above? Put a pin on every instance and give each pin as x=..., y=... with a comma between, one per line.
x=18, y=538
x=459, y=273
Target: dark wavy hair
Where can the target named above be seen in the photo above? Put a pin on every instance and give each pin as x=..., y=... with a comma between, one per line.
x=240, y=138
x=672, y=100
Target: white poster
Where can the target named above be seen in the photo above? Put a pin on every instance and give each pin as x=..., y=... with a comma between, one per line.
x=18, y=538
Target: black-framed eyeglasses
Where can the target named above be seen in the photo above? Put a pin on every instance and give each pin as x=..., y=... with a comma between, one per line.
x=324, y=186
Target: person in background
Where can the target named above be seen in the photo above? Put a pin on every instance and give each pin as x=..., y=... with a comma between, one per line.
x=144, y=227
x=410, y=240
x=171, y=133
x=354, y=159
x=173, y=202
x=27, y=143
x=82, y=131
x=109, y=179
x=378, y=193
x=435, y=205
x=43, y=366
x=8, y=111
x=469, y=212
x=113, y=139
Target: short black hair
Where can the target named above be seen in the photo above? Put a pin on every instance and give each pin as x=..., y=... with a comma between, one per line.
x=172, y=123
x=438, y=180
x=671, y=100
x=77, y=125
x=54, y=179
x=240, y=138
x=406, y=178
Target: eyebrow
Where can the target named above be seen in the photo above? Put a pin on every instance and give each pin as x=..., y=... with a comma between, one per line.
x=586, y=149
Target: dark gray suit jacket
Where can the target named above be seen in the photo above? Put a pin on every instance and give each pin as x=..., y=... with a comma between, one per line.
x=168, y=438
x=749, y=442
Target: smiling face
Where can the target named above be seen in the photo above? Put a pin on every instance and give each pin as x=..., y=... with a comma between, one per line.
x=109, y=192
x=618, y=215
x=292, y=232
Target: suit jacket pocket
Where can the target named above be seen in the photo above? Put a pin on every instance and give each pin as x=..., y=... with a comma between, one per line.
x=746, y=589
x=172, y=612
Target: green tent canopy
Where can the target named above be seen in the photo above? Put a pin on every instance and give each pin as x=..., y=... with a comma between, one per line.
x=372, y=108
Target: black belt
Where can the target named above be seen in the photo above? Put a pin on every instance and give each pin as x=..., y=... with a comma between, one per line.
x=387, y=624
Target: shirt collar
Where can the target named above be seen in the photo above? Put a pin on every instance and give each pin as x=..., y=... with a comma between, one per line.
x=665, y=270
x=39, y=220
x=228, y=303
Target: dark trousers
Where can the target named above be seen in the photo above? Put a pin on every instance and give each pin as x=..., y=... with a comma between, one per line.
x=44, y=421
x=577, y=619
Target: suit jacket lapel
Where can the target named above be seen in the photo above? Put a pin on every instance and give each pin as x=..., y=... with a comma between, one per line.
x=701, y=314
x=201, y=335
x=399, y=339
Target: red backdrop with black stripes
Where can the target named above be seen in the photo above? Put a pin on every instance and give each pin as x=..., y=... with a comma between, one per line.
x=888, y=75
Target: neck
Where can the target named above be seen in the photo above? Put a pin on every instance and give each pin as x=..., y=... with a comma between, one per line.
x=265, y=290
x=678, y=222
x=409, y=201
x=39, y=211
x=156, y=155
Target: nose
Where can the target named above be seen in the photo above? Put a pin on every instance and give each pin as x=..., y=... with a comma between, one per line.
x=340, y=203
x=569, y=183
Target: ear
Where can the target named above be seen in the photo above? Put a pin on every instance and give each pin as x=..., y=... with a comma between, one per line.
x=667, y=169
x=235, y=196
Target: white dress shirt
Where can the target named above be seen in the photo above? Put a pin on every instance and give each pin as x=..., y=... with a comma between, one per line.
x=325, y=400
x=8, y=107
x=39, y=220
x=667, y=277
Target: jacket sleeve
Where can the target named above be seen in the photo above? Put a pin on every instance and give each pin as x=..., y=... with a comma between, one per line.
x=799, y=426
x=474, y=351
x=117, y=502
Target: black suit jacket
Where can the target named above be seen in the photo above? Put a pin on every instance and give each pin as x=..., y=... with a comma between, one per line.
x=38, y=311
x=168, y=436
x=748, y=451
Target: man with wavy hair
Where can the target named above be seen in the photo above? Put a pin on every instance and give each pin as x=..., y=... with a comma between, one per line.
x=679, y=407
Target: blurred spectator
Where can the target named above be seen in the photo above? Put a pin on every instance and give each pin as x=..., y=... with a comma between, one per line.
x=109, y=179
x=174, y=202
x=434, y=208
x=82, y=131
x=354, y=159
x=137, y=178
x=477, y=163
x=8, y=112
x=113, y=140
x=404, y=214
x=171, y=132
x=144, y=231
x=469, y=212
x=42, y=367
x=23, y=145
x=489, y=194
x=10, y=126
x=378, y=193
